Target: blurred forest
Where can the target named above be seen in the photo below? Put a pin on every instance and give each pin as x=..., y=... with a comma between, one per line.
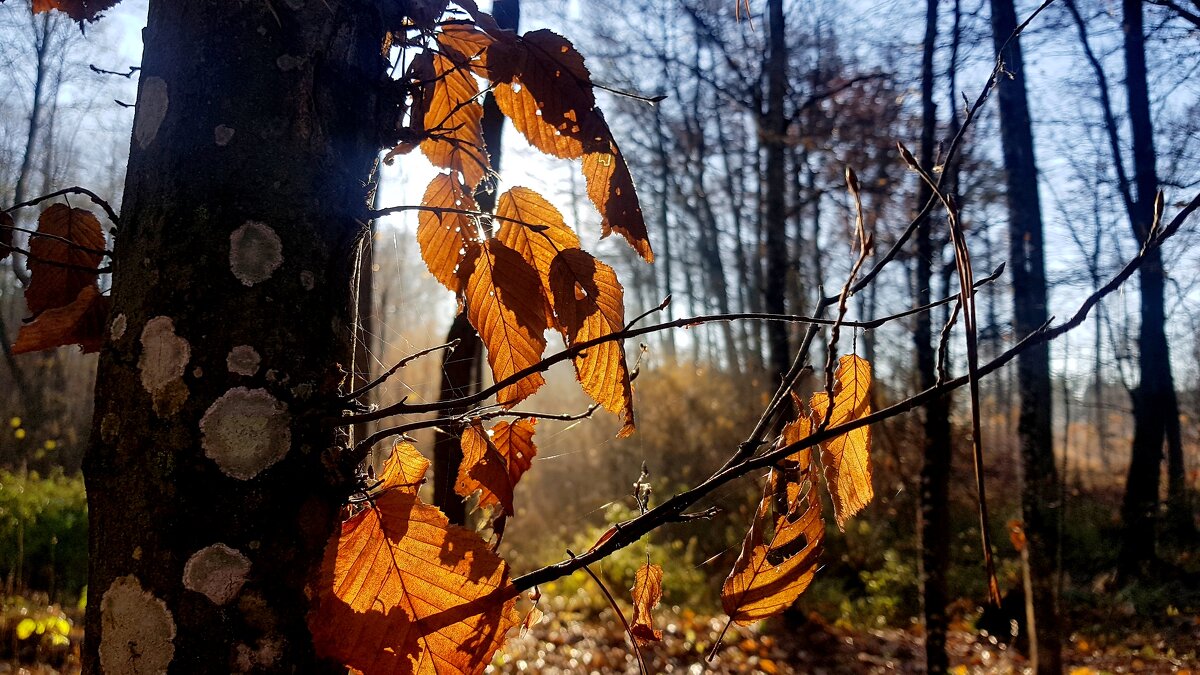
x=743, y=185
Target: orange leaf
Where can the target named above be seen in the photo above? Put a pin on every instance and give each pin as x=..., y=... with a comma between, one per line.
x=769, y=575
x=514, y=441
x=58, y=270
x=76, y=9
x=401, y=590
x=531, y=226
x=647, y=592
x=444, y=235
x=404, y=469
x=466, y=45
x=452, y=122
x=589, y=303
x=506, y=306
x=6, y=234
x=847, y=458
x=483, y=468
x=81, y=322
x=610, y=187
x=543, y=86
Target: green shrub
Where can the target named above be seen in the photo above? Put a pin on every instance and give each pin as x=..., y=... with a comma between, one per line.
x=43, y=533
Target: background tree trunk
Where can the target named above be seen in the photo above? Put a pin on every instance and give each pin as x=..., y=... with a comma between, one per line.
x=212, y=482
x=1040, y=498
x=773, y=129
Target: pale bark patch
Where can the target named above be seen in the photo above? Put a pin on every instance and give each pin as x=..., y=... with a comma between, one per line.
x=243, y=360
x=246, y=431
x=255, y=252
x=137, y=630
x=216, y=571
x=117, y=330
x=163, y=360
x=151, y=110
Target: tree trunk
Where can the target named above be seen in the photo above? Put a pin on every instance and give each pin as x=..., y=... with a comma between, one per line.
x=213, y=478
x=773, y=131
x=934, y=514
x=1155, y=408
x=1040, y=500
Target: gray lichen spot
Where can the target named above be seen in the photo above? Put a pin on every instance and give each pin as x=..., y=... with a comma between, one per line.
x=246, y=431
x=151, y=110
x=307, y=280
x=137, y=631
x=288, y=62
x=117, y=330
x=164, y=357
x=217, y=572
x=262, y=657
x=243, y=360
x=255, y=252
x=223, y=134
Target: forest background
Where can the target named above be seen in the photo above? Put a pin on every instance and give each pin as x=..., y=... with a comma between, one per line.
x=854, y=74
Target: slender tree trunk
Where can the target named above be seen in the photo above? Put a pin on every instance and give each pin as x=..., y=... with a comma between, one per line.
x=214, y=483
x=1040, y=500
x=773, y=131
x=934, y=513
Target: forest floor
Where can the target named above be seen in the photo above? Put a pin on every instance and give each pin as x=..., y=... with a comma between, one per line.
x=572, y=642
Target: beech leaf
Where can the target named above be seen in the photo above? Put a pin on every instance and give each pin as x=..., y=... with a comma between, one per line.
x=506, y=306
x=58, y=264
x=81, y=322
x=443, y=235
x=647, y=593
x=610, y=187
x=453, y=122
x=847, y=458
x=401, y=590
x=404, y=469
x=79, y=10
x=531, y=226
x=483, y=468
x=589, y=303
x=771, y=573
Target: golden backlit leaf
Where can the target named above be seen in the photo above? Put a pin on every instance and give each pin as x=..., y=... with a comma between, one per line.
x=514, y=441
x=401, y=591
x=466, y=45
x=589, y=303
x=647, y=593
x=404, y=469
x=847, y=458
x=444, y=235
x=80, y=323
x=531, y=226
x=506, y=306
x=771, y=573
x=483, y=468
x=543, y=86
x=79, y=10
x=453, y=122
x=59, y=270
x=610, y=187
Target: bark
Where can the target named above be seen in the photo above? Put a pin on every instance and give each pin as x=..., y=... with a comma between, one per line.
x=934, y=513
x=774, y=129
x=261, y=124
x=462, y=368
x=1155, y=407
x=1040, y=500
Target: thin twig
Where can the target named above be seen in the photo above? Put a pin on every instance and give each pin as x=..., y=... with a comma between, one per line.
x=73, y=190
x=449, y=347
x=637, y=650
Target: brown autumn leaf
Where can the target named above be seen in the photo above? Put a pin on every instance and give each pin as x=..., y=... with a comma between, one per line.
x=79, y=10
x=771, y=573
x=506, y=306
x=531, y=226
x=444, y=235
x=647, y=592
x=404, y=469
x=80, y=323
x=58, y=270
x=610, y=187
x=453, y=122
x=483, y=468
x=401, y=590
x=514, y=441
x=589, y=303
x=6, y=234
x=466, y=45
x=847, y=458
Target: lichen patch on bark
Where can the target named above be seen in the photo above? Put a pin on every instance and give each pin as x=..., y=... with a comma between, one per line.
x=151, y=110
x=216, y=571
x=255, y=252
x=246, y=431
x=243, y=360
x=117, y=330
x=137, y=631
x=163, y=360
x=222, y=135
